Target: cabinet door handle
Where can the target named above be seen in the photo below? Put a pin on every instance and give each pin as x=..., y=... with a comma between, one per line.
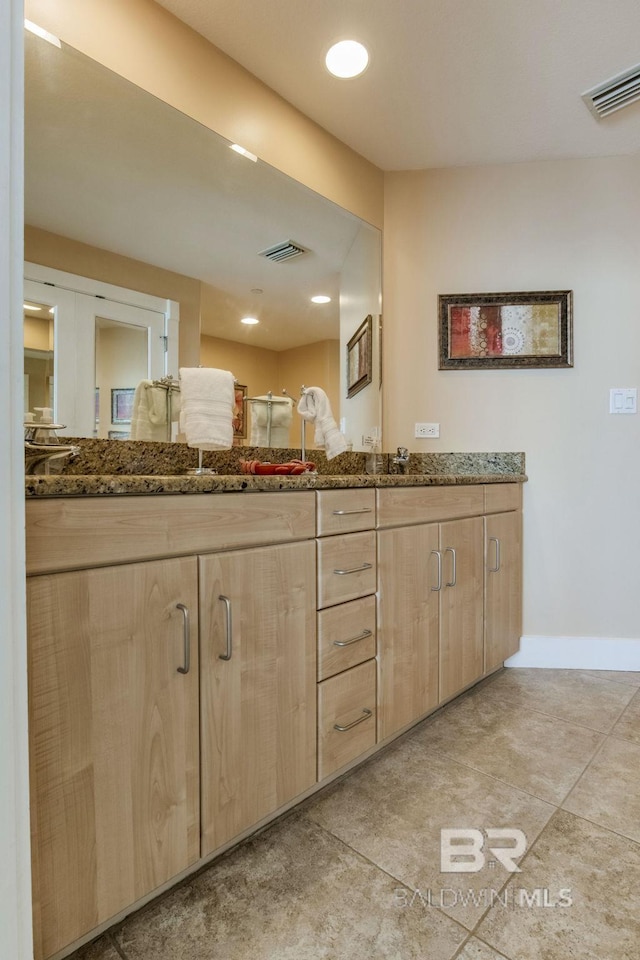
x=497, y=543
x=186, y=633
x=346, y=513
x=229, y=651
x=452, y=582
x=438, y=555
x=346, y=643
x=366, y=713
x=343, y=573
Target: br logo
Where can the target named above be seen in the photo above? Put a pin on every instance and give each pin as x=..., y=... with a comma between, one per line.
x=462, y=851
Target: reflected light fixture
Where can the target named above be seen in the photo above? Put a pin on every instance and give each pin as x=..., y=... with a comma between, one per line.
x=30, y=306
x=348, y=58
x=250, y=321
x=243, y=152
x=320, y=299
x=41, y=32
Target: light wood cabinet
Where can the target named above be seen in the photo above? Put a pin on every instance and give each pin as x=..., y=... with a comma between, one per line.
x=346, y=717
x=503, y=587
x=461, y=605
x=113, y=741
x=408, y=624
x=258, y=678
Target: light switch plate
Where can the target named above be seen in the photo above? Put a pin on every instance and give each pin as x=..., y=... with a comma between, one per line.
x=623, y=400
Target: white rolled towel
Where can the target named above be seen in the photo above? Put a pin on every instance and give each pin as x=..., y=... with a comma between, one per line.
x=206, y=408
x=314, y=406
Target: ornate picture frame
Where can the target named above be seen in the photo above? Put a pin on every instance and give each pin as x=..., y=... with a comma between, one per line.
x=484, y=331
x=359, y=354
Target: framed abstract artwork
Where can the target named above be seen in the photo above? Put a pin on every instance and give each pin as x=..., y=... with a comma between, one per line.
x=122, y=404
x=359, y=354
x=239, y=412
x=483, y=331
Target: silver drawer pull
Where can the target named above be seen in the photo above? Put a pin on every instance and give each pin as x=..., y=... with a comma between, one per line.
x=343, y=573
x=366, y=713
x=186, y=636
x=346, y=643
x=229, y=651
x=346, y=513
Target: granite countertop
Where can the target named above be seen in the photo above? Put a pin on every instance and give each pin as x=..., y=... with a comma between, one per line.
x=107, y=468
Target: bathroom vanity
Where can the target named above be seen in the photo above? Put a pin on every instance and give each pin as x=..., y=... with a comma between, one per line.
x=201, y=661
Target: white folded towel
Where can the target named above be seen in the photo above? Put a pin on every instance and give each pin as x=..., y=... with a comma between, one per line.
x=314, y=406
x=206, y=409
x=281, y=417
x=149, y=413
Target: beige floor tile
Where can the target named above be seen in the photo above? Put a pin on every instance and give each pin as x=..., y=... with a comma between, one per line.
x=628, y=726
x=392, y=811
x=526, y=749
x=632, y=677
x=101, y=949
x=602, y=872
x=572, y=695
x=292, y=893
x=608, y=793
x=476, y=950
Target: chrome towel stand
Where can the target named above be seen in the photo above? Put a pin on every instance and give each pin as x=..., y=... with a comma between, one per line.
x=303, y=390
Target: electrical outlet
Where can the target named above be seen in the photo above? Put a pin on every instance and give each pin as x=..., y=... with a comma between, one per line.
x=427, y=431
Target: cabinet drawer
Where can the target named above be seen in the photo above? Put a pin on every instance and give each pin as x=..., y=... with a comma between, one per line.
x=400, y=506
x=348, y=702
x=346, y=636
x=499, y=497
x=346, y=568
x=71, y=533
x=345, y=511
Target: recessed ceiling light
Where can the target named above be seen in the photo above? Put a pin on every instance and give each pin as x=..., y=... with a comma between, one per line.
x=321, y=299
x=243, y=152
x=250, y=321
x=41, y=32
x=30, y=306
x=348, y=58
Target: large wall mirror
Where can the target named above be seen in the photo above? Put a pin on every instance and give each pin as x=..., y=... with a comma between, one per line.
x=123, y=188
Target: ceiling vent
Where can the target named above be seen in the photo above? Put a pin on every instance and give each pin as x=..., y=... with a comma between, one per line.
x=286, y=250
x=615, y=94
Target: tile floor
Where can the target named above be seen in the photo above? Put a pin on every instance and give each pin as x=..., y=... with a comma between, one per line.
x=354, y=873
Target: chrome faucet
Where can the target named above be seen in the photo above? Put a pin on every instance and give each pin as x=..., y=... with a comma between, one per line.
x=41, y=446
x=401, y=459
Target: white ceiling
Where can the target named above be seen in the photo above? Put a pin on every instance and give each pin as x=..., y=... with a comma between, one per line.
x=450, y=82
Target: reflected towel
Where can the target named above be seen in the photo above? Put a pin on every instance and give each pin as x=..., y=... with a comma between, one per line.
x=314, y=406
x=149, y=413
x=206, y=410
x=281, y=417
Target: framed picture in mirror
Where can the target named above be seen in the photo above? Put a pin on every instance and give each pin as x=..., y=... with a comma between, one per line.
x=122, y=404
x=359, y=352
x=239, y=413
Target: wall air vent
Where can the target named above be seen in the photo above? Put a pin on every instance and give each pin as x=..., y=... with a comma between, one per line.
x=286, y=250
x=615, y=94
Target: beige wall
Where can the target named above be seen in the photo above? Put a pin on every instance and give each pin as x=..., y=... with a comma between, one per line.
x=147, y=45
x=537, y=226
x=61, y=253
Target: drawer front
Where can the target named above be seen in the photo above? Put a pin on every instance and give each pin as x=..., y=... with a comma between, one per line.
x=346, y=568
x=345, y=511
x=346, y=701
x=499, y=497
x=399, y=506
x=71, y=533
x=346, y=636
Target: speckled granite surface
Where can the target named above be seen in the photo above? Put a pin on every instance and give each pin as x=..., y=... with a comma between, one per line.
x=136, y=469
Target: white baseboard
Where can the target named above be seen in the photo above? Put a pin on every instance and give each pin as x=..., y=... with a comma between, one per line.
x=578, y=653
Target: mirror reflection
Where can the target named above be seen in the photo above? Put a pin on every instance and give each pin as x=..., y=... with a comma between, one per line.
x=122, y=188
x=38, y=356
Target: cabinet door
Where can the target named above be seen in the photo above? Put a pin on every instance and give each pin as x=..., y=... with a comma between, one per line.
x=503, y=587
x=258, y=707
x=461, y=605
x=407, y=625
x=113, y=740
